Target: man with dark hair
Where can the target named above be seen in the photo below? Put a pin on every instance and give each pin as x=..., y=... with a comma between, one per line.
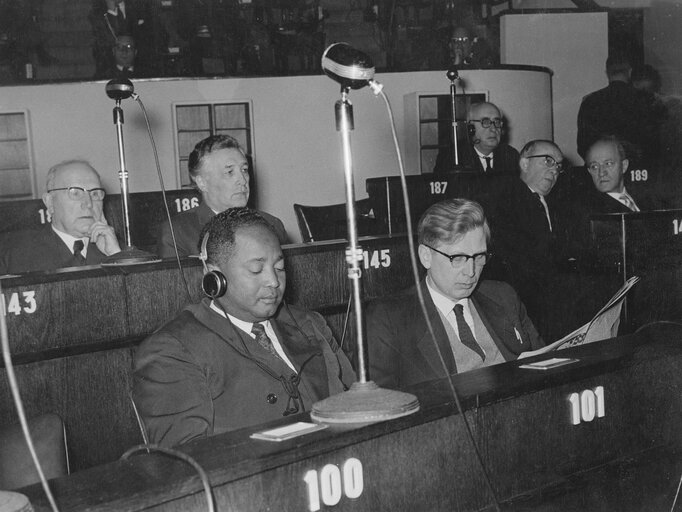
x=475, y=323
x=241, y=357
x=220, y=170
x=484, y=151
x=621, y=110
x=78, y=233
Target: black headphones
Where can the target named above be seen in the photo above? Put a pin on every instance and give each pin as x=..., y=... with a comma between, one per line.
x=214, y=282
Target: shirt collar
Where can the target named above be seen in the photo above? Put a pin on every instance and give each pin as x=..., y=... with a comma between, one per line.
x=244, y=326
x=69, y=240
x=445, y=304
x=481, y=155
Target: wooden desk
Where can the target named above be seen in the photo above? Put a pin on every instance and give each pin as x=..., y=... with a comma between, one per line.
x=426, y=189
x=73, y=333
x=531, y=434
x=145, y=208
x=647, y=244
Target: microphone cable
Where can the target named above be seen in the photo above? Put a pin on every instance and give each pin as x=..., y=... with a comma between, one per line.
x=377, y=89
x=205, y=482
x=137, y=99
x=16, y=395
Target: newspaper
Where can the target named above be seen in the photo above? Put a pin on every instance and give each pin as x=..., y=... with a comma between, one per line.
x=603, y=326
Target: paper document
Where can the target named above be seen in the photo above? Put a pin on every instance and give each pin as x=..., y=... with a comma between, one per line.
x=603, y=326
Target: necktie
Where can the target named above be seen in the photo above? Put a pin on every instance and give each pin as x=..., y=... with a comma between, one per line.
x=488, y=167
x=465, y=334
x=262, y=338
x=627, y=201
x=545, y=209
x=78, y=257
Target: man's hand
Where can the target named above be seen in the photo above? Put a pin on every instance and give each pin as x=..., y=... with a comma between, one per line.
x=104, y=237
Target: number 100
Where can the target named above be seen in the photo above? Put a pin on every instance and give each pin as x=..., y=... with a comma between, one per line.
x=331, y=483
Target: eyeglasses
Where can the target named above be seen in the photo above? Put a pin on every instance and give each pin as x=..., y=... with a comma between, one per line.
x=486, y=122
x=122, y=47
x=550, y=162
x=459, y=260
x=595, y=167
x=78, y=193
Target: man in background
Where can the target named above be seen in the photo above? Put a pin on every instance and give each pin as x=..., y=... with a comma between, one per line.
x=78, y=233
x=485, y=151
x=220, y=170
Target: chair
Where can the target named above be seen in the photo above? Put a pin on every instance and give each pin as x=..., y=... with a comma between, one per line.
x=16, y=464
x=329, y=222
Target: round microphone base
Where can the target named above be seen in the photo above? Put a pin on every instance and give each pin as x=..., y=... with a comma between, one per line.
x=364, y=403
x=130, y=256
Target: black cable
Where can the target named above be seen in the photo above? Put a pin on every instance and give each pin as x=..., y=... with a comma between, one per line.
x=136, y=97
x=415, y=274
x=178, y=455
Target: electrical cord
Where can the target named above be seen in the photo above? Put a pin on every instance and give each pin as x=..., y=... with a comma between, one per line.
x=415, y=274
x=137, y=99
x=14, y=387
x=205, y=482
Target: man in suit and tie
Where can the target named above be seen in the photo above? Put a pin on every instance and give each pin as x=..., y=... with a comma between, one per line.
x=220, y=170
x=485, y=151
x=78, y=233
x=607, y=164
x=241, y=357
x=476, y=322
x=528, y=230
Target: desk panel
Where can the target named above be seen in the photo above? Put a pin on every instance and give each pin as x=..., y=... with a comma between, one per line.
x=522, y=423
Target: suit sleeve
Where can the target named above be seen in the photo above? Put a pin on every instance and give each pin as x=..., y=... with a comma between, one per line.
x=172, y=392
x=382, y=353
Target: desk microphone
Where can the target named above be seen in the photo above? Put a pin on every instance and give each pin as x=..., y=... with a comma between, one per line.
x=119, y=89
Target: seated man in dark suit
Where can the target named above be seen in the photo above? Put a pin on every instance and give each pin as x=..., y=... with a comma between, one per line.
x=475, y=323
x=220, y=170
x=241, y=357
x=78, y=234
x=528, y=230
x=607, y=164
x=485, y=152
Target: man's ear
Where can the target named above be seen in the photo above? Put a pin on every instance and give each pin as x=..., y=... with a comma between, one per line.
x=424, y=256
x=625, y=164
x=523, y=164
x=200, y=182
x=47, y=200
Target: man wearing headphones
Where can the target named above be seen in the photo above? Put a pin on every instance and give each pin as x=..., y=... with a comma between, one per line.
x=485, y=151
x=241, y=357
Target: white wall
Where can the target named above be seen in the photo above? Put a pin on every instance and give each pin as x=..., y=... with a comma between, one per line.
x=574, y=46
x=297, y=147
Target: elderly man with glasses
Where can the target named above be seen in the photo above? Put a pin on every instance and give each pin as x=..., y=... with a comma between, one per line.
x=484, y=151
x=78, y=233
x=475, y=322
x=529, y=231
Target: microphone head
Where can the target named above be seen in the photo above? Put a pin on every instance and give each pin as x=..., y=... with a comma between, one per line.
x=119, y=88
x=346, y=65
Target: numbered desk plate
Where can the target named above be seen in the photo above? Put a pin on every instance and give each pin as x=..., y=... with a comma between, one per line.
x=288, y=432
x=548, y=364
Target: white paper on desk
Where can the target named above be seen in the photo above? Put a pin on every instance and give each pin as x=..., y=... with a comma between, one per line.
x=603, y=326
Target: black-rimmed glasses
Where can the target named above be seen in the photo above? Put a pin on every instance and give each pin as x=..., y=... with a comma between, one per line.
x=550, y=162
x=486, y=122
x=459, y=260
x=78, y=193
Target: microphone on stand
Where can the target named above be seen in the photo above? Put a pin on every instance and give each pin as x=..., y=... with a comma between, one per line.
x=364, y=402
x=120, y=89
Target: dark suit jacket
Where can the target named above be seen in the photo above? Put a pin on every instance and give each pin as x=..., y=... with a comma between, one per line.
x=39, y=249
x=619, y=109
x=188, y=225
x=401, y=351
x=505, y=159
x=600, y=202
x=199, y=375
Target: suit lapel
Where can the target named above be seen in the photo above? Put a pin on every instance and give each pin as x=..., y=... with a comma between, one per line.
x=425, y=344
x=500, y=326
